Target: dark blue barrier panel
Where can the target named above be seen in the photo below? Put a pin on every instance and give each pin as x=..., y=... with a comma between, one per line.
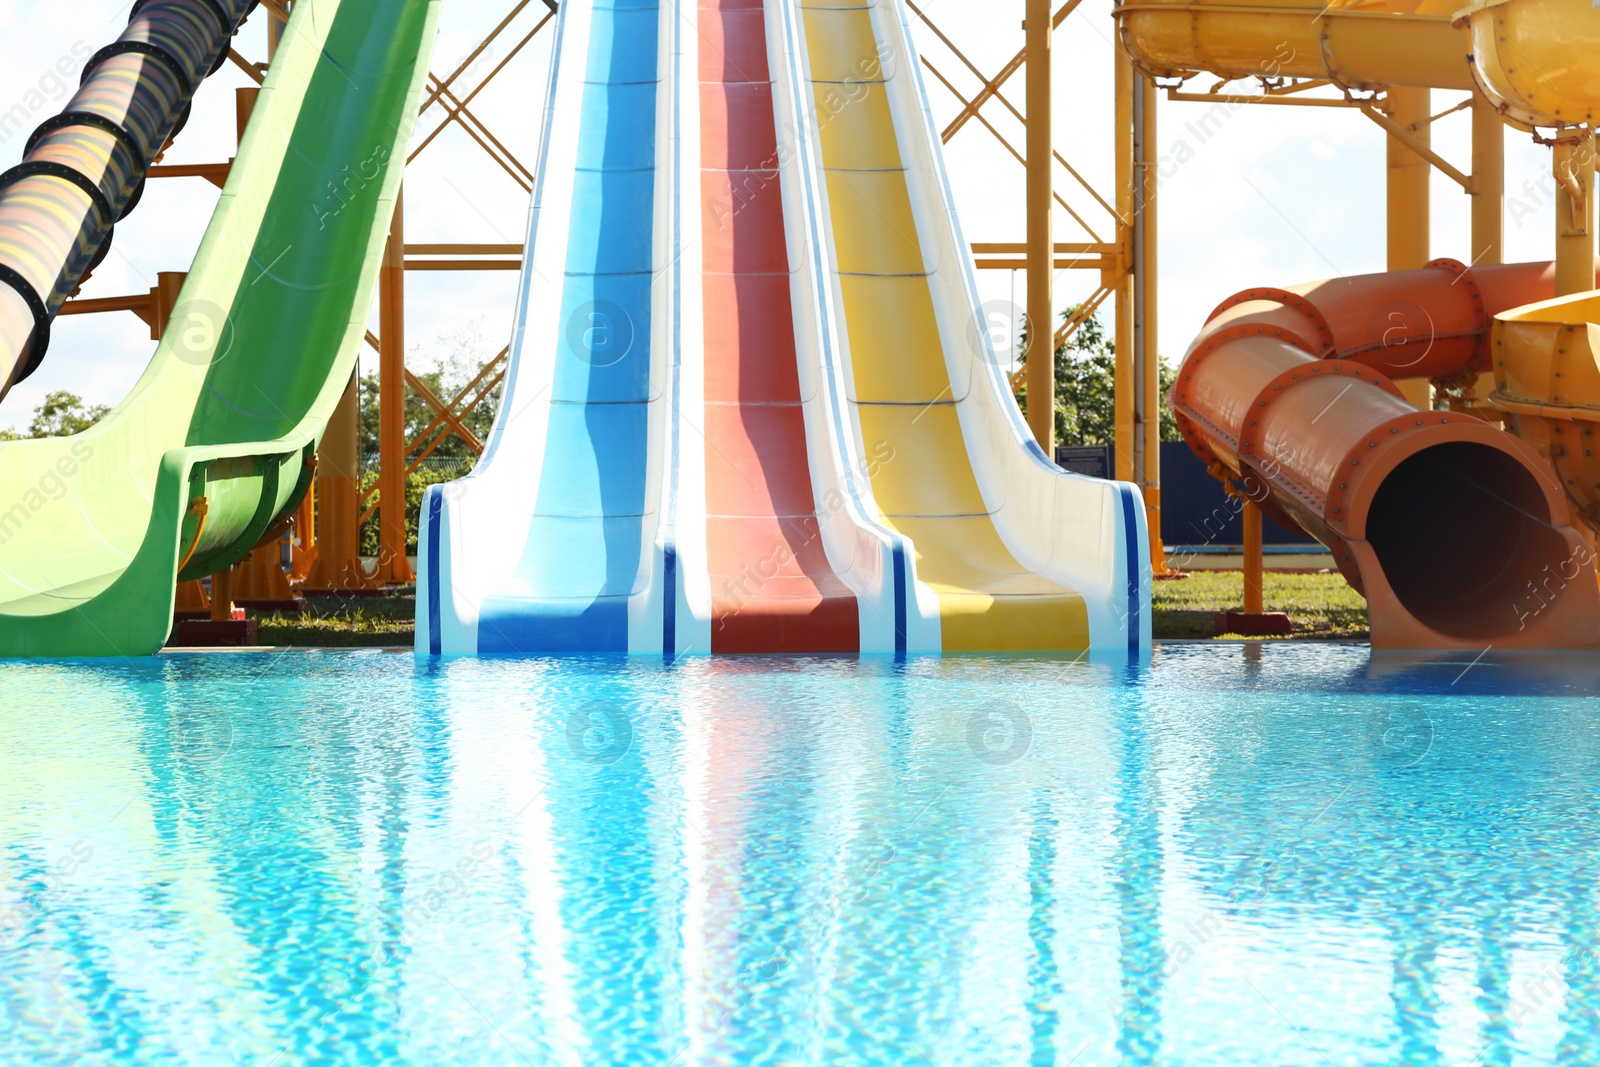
x=1093, y=461
x=1196, y=512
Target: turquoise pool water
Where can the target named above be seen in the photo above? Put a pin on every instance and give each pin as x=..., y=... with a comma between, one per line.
x=1280, y=855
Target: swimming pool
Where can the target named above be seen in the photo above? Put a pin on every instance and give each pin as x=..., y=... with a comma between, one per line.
x=1233, y=855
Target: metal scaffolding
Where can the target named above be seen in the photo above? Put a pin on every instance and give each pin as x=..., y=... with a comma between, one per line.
x=1117, y=233
x=1116, y=243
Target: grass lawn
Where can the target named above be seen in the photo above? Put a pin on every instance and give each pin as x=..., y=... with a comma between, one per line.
x=345, y=622
x=1321, y=605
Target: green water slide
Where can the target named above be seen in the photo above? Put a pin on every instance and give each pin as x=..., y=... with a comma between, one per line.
x=215, y=444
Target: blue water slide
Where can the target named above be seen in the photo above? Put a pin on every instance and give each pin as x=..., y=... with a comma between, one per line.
x=545, y=549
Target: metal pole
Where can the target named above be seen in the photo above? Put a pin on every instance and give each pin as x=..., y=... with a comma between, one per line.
x=1041, y=239
x=1254, y=565
x=1488, y=200
x=1147, y=370
x=1141, y=336
x=222, y=595
x=393, y=563
x=1124, y=287
x=1488, y=184
x=338, y=539
x=1410, y=203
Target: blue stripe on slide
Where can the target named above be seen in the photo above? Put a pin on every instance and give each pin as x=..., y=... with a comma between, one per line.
x=551, y=627
x=669, y=570
x=580, y=562
x=1130, y=533
x=435, y=627
x=899, y=597
x=669, y=609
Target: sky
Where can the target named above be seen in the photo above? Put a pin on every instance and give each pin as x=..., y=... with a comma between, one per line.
x=1270, y=196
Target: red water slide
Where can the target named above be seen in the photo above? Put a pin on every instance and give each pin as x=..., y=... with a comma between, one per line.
x=772, y=587
x=1456, y=532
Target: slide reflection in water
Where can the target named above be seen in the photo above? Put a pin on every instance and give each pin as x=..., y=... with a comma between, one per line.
x=364, y=859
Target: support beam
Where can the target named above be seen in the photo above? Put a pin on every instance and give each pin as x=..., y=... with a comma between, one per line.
x=222, y=596
x=463, y=264
x=1575, y=214
x=451, y=413
x=1254, y=564
x=1122, y=284
x=244, y=105
x=1259, y=98
x=1410, y=200
x=443, y=413
x=992, y=87
x=1041, y=238
x=215, y=173
x=1488, y=212
x=1096, y=263
x=139, y=304
x=1416, y=139
x=154, y=307
x=393, y=562
x=1097, y=256
x=337, y=567
x=480, y=133
x=514, y=250
x=1488, y=184
x=1146, y=328
x=277, y=22
x=303, y=555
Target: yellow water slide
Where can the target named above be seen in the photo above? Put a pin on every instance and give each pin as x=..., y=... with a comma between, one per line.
x=1007, y=552
x=1539, y=62
x=1355, y=45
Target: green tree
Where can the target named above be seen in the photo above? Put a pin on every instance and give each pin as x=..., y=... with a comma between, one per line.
x=1086, y=381
x=62, y=413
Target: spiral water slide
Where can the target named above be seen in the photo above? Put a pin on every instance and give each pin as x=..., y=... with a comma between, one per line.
x=84, y=169
x=1458, y=534
x=215, y=443
x=749, y=407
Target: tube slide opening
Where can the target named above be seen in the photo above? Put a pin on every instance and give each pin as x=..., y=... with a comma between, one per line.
x=1463, y=532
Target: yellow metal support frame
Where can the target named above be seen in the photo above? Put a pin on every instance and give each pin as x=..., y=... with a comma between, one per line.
x=1041, y=234
x=1405, y=114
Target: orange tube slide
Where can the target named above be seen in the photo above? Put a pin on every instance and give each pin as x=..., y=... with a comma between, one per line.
x=1455, y=531
x=772, y=587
